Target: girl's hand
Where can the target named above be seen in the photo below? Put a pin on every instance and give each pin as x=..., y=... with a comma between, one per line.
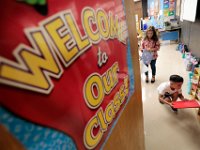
x=152, y=50
x=148, y=49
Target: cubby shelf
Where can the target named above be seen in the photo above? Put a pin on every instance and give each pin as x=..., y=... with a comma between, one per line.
x=195, y=88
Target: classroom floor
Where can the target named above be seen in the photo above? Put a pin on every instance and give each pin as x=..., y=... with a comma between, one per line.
x=164, y=129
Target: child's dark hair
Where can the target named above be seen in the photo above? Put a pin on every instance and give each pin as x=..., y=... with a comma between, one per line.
x=154, y=37
x=176, y=78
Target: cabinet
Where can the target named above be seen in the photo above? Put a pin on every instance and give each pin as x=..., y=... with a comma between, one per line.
x=195, y=87
x=172, y=34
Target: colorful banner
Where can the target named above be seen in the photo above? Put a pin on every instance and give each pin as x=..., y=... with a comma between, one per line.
x=65, y=71
x=169, y=8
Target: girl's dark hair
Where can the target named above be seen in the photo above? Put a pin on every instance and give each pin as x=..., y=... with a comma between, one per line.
x=154, y=37
x=176, y=78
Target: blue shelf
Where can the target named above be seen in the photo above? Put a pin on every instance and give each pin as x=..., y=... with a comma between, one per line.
x=170, y=35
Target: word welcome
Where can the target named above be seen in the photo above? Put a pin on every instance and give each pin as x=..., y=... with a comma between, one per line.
x=57, y=40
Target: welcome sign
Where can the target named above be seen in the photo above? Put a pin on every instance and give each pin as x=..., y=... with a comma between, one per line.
x=68, y=70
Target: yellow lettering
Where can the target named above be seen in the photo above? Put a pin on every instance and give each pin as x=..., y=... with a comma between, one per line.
x=64, y=43
x=121, y=93
x=102, y=21
x=89, y=21
x=108, y=81
x=93, y=84
x=109, y=112
x=110, y=78
x=117, y=102
x=35, y=66
x=115, y=70
x=113, y=26
x=102, y=121
x=83, y=43
x=34, y=69
x=91, y=140
x=120, y=31
x=126, y=81
x=123, y=32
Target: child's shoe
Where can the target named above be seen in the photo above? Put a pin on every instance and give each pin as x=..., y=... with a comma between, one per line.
x=161, y=102
x=153, y=79
x=174, y=110
x=147, y=79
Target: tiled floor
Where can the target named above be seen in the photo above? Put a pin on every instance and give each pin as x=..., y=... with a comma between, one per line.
x=164, y=129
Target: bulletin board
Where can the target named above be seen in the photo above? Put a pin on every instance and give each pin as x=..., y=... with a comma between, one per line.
x=169, y=8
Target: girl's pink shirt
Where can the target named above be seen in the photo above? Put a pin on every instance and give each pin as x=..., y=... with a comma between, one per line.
x=151, y=44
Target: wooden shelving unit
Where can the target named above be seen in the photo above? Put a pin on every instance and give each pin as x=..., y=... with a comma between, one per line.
x=195, y=88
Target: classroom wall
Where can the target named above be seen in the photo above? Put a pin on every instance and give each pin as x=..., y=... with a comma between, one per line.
x=190, y=33
x=138, y=9
x=190, y=36
x=144, y=10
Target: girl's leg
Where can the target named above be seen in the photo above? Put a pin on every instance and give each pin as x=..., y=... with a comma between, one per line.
x=153, y=68
x=147, y=76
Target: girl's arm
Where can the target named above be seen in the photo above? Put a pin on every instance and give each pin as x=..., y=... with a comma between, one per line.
x=142, y=45
x=157, y=46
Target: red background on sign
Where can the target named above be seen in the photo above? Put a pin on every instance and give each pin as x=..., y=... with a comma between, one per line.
x=64, y=108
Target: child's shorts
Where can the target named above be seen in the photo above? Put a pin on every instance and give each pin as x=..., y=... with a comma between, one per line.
x=167, y=95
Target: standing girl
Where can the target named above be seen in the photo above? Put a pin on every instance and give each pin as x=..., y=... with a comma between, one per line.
x=151, y=43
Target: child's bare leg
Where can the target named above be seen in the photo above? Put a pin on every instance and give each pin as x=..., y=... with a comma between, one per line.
x=174, y=99
x=166, y=100
x=175, y=96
